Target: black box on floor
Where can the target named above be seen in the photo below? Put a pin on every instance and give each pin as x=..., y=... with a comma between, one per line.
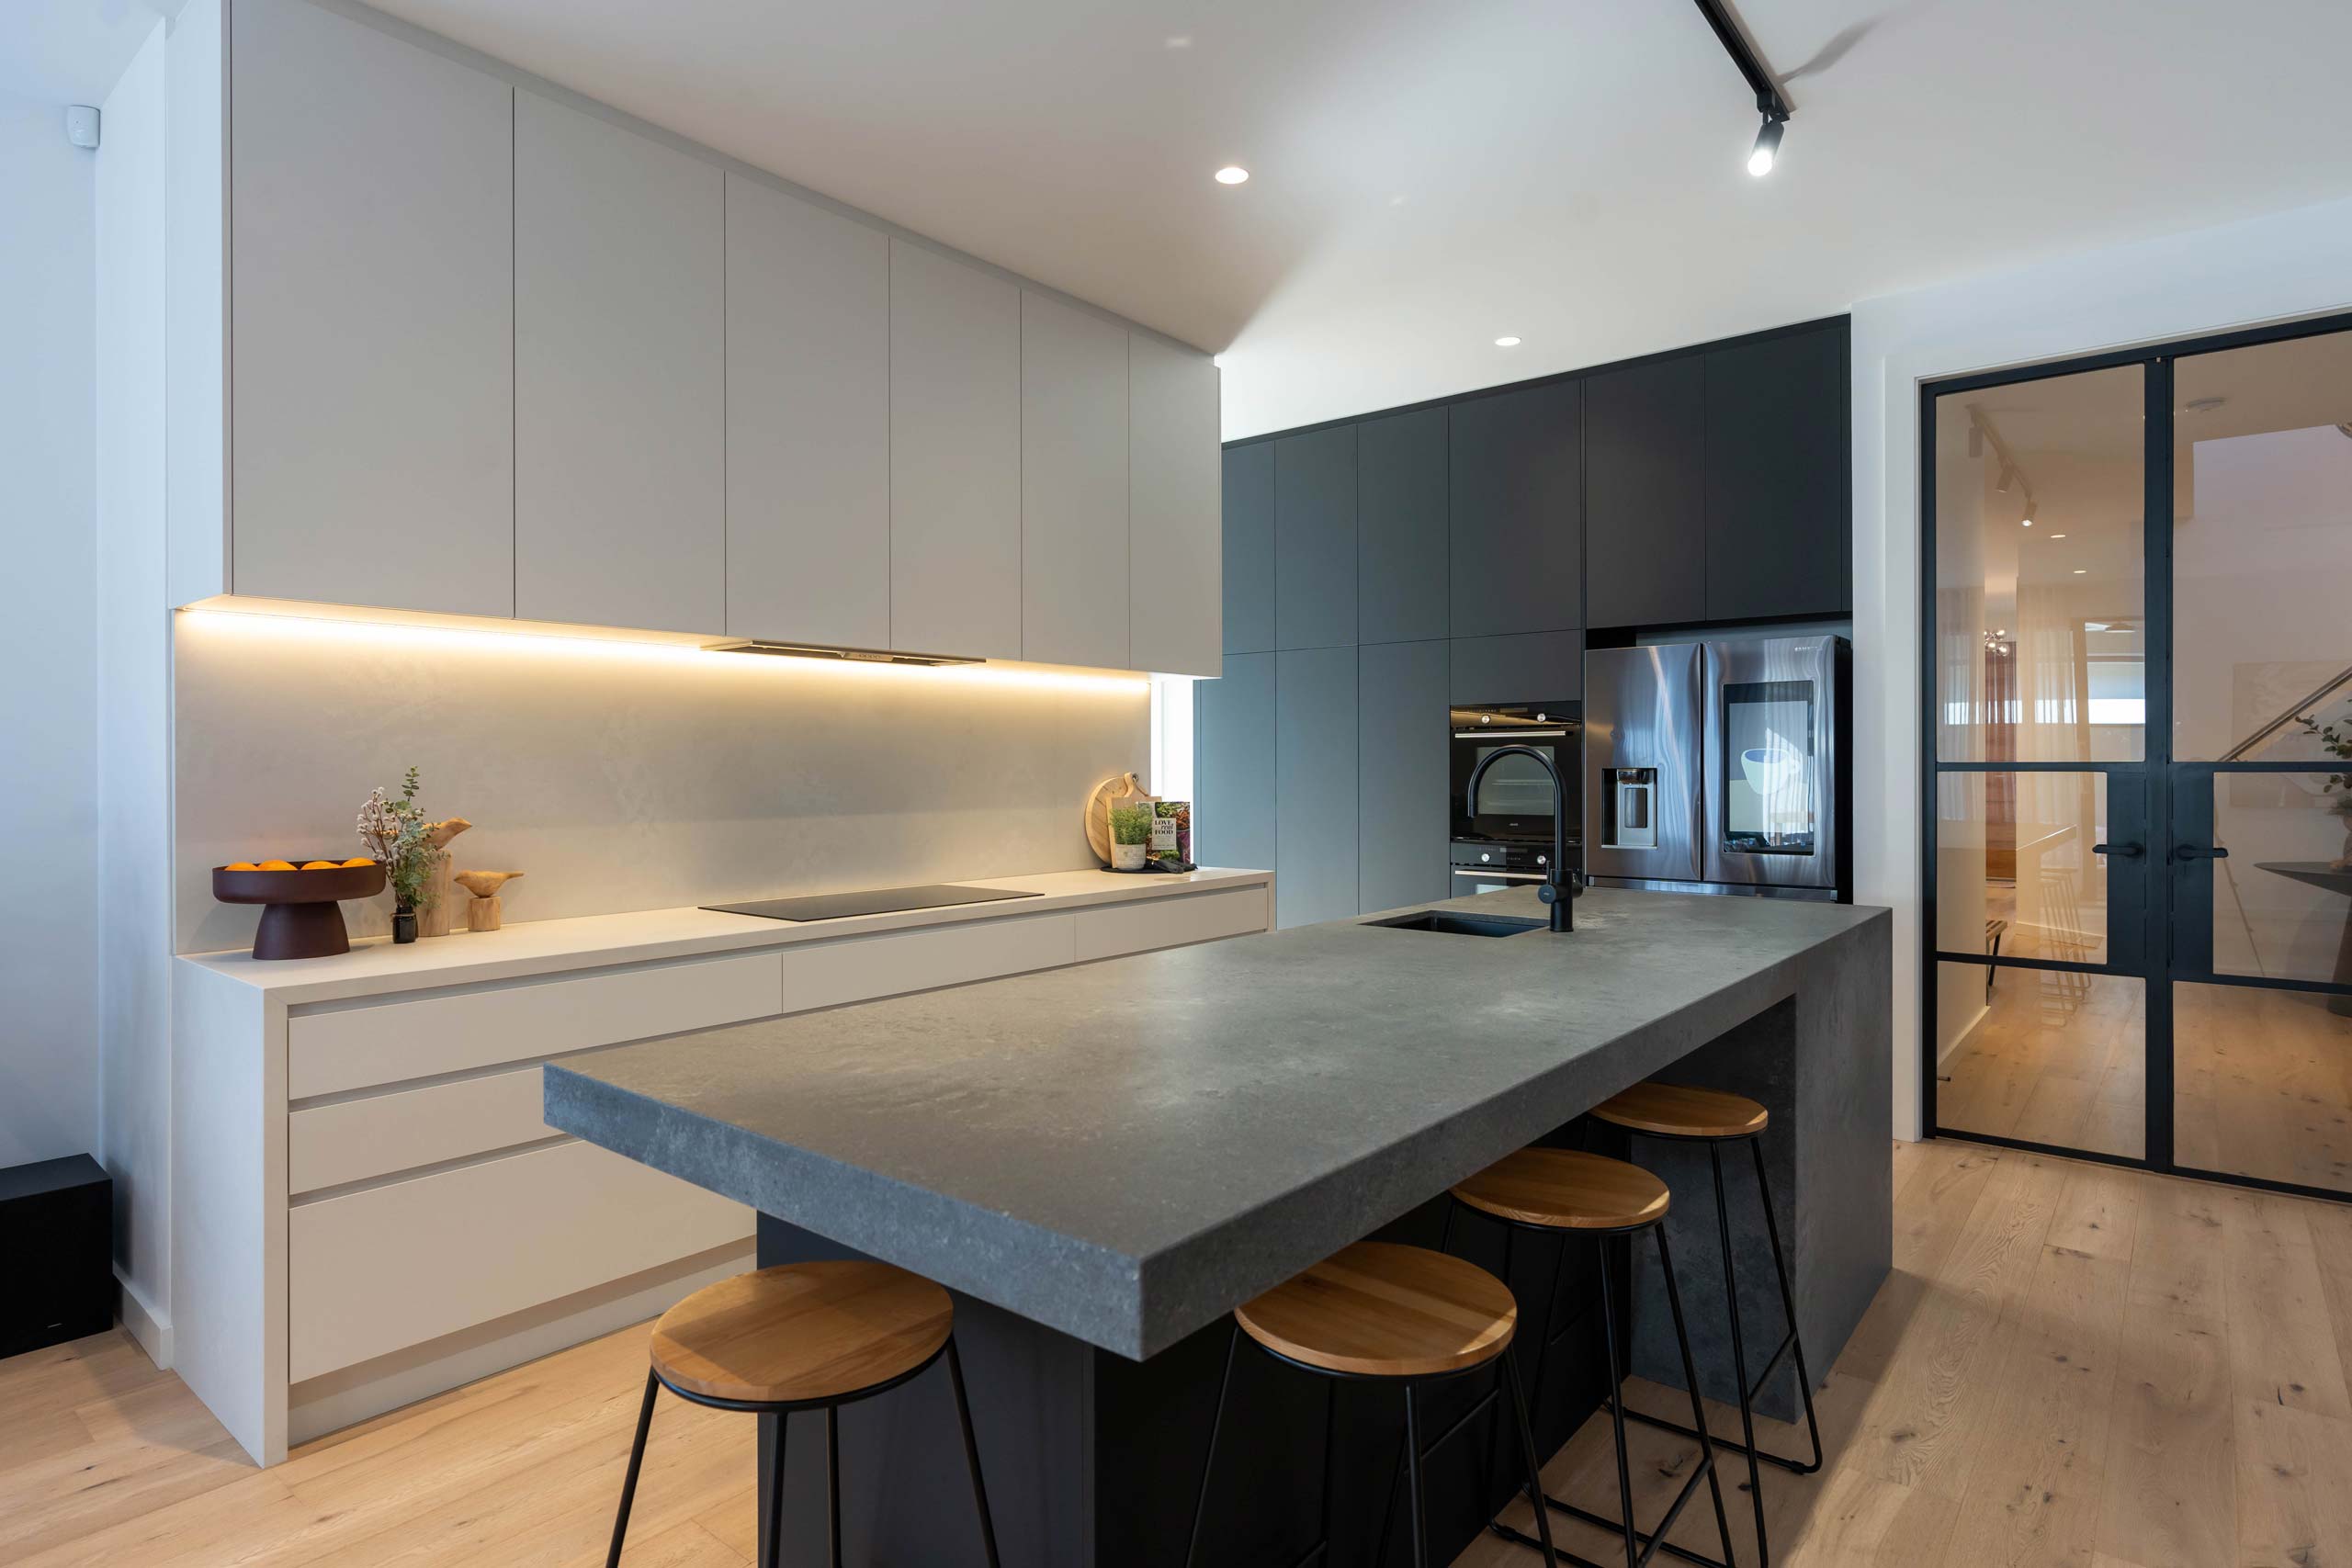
x=57, y=1238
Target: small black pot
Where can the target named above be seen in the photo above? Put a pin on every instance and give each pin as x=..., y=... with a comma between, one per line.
x=403, y=925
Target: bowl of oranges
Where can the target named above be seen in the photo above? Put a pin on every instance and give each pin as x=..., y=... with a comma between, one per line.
x=301, y=918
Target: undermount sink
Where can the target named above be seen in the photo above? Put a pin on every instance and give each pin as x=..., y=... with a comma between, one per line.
x=1446, y=922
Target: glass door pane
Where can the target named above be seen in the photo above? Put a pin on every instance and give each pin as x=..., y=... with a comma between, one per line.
x=2041, y=591
x=2261, y=1086
x=2048, y=1056
x=2262, y=549
x=2015, y=871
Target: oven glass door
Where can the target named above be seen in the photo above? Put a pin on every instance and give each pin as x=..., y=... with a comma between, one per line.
x=1515, y=798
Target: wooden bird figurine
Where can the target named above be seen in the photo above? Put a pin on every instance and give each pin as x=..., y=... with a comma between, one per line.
x=483, y=913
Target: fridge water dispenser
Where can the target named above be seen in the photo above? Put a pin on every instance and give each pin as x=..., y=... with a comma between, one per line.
x=1632, y=809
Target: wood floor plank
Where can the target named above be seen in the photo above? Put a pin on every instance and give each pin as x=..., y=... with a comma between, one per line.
x=1925, y=1420
x=2170, y=1496
x=2294, y=1486
x=2282, y=1344
x=2035, y=1486
x=2331, y=1225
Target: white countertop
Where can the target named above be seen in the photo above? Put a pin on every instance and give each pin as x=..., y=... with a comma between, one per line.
x=376, y=965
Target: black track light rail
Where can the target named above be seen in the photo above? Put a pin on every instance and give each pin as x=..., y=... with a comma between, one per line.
x=1768, y=100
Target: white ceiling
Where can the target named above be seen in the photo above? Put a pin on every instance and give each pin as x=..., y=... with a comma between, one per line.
x=1427, y=176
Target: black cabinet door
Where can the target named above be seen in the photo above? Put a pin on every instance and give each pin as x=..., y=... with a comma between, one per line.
x=1315, y=786
x=1400, y=527
x=1517, y=489
x=1233, y=764
x=1644, y=495
x=1534, y=667
x=1401, y=792
x=1314, y=539
x=1249, y=549
x=1779, y=518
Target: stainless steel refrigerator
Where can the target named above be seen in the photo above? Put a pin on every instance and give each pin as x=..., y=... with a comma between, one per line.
x=1719, y=767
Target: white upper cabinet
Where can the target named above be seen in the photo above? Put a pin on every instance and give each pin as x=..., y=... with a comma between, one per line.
x=808, y=422
x=1073, y=486
x=371, y=309
x=955, y=456
x=620, y=505
x=1176, y=511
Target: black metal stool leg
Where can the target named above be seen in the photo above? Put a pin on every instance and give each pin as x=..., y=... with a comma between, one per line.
x=636, y=1460
x=1738, y=1357
x=1419, y=1504
x=1698, y=1413
x=1527, y=1454
x=1617, y=1416
x=1208, y=1464
x=972, y=1453
x=833, y=1484
x=776, y=1494
x=1788, y=1310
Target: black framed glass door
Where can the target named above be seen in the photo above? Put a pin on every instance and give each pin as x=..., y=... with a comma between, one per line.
x=2137, y=602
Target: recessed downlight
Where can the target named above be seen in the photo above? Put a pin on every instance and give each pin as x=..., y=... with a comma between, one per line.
x=2057, y=536
x=2025, y=522
x=1232, y=174
x=2082, y=570
x=1505, y=343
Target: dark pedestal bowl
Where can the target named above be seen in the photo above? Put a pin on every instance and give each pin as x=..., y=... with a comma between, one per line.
x=300, y=916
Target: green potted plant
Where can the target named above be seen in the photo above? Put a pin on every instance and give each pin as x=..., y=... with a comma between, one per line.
x=1130, y=837
x=2335, y=739
x=399, y=837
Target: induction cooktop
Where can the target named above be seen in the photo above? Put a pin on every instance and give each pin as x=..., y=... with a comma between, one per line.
x=876, y=901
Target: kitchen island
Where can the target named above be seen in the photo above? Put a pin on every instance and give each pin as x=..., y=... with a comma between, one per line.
x=1103, y=1161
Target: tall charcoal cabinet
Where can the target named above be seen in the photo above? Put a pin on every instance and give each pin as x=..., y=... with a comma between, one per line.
x=1378, y=571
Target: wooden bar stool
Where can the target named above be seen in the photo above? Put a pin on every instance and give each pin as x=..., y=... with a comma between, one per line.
x=804, y=1337
x=1383, y=1313
x=1571, y=1193
x=1714, y=1118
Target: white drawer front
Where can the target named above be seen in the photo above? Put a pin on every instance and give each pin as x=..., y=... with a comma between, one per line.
x=1170, y=923
x=822, y=975
x=329, y=1052
x=327, y=1145
x=396, y=1266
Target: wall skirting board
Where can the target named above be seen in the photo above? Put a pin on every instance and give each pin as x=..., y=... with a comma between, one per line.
x=143, y=1323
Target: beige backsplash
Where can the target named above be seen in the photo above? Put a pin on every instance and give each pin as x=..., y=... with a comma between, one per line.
x=621, y=776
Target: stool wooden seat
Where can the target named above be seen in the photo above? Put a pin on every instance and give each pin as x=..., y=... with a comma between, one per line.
x=1378, y=1310
x=1672, y=1111
x=1567, y=1190
x=797, y=1339
x=1403, y=1316
x=801, y=1332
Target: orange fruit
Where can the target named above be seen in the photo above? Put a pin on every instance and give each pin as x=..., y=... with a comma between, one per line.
x=359, y=859
x=320, y=865
x=241, y=865
x=274, y=865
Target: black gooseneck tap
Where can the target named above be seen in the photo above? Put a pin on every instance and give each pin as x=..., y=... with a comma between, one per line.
x=1557, y=890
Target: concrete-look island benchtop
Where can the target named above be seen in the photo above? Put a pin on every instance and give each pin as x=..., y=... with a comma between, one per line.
x=1124, y=1151
x=1101, y=1162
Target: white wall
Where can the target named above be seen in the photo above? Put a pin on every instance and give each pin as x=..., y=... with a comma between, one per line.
x=2288, y=265
x=133, y=684
x=48, y=1050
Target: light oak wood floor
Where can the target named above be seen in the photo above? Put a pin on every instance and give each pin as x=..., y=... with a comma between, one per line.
x=2071, y=1364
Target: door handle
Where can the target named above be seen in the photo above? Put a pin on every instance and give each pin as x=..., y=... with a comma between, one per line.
x=2199, y=852
x=2122, y=851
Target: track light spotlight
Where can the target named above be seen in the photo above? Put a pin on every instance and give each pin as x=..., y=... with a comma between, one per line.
x=1767, y=144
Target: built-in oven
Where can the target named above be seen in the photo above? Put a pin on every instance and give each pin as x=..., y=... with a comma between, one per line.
x=1514, y=802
